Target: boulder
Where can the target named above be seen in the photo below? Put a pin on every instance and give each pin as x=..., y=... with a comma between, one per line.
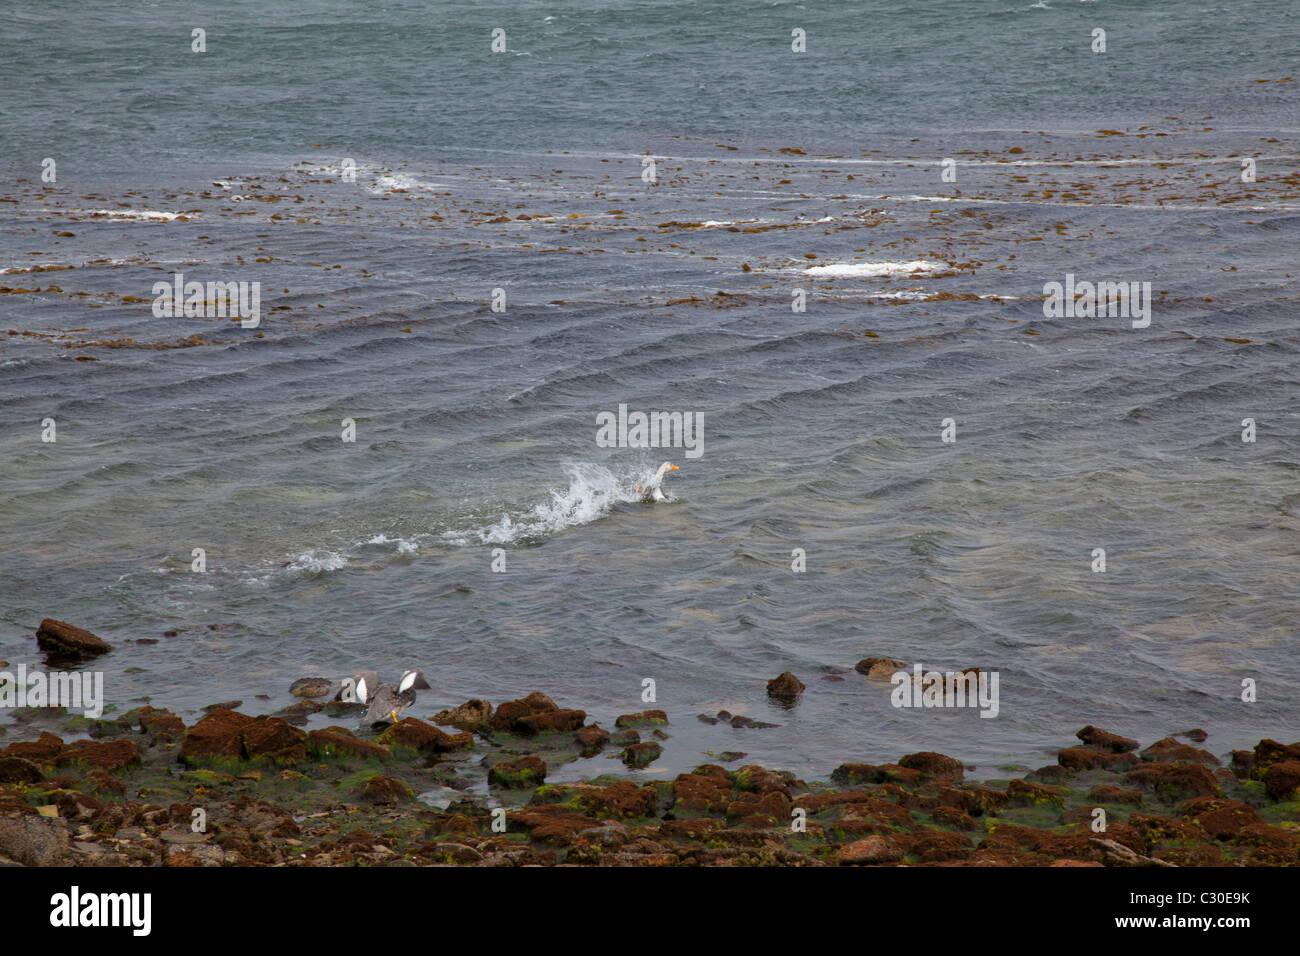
x=470, y=715
x=34, y=840
x=1282, y=779
x=19, y=770
x=641, y=755
x=410, y=732
x=1105, y=740
x=645, y=717
x=275, y=738
x=42, y=750
x=868, y=851
x=216, y=734
x=340, y=742
x=65, y=641
x=934, y=765
x=106, y=755
x=1085, y=758
x=879, y=668
x=1169, y=750
x=1175, y=780
x=785, y=687
x=518, y=774
x=591, y=740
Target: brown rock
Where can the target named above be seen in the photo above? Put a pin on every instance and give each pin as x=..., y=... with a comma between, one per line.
x=591, y=740
x=879, y=668
x=1269, y=752
x=645, y=717
x=1105, y=793
x=1105, y=740
x=868, y=851
x=19, y=770
x=216, y=734
x=785, y=687
x=550, y=722
x=337, y=741
x=469, y=716
x=416, y=734
x=385, y=791
x=1169, y=750
x=42, y=750
x=851, y=773
x=642, y=755
x=1023, y=794
x=274, y=738
x=700, y=793
x=161, y=725
x=521, y=773
x=65, y=641
x=107, y=755
x=1281, y=780
x=623, y=799
x=934, y=765
x=551, y=824
x=1221, y=819
x=1085, y=758
x=1172, y=781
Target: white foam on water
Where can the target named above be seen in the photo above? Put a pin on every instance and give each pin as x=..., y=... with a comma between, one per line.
x=139, y=214
x=316, y=561
x=860, y=270
x=592, y=492
x=402, y=546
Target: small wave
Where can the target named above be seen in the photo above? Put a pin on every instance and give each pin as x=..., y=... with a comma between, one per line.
x=401, y=545
x=592, y=492
x=140, y=214
x=868, y=269
x=317, y=561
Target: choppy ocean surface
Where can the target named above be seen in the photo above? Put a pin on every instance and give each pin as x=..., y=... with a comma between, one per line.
x=526, y=171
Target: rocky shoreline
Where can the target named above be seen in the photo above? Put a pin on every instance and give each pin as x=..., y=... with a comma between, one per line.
x=232, y=790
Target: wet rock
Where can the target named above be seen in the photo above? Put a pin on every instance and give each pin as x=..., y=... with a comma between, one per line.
x=1269, y=752
x=551, y=824
x=1051, y=774
x=312, y=688
x=1105, y=793
x=452, y=852
x=937, y=846
x=624, y=738
x=868, y=851
x=161, y=725
x=410, y=732
x=1196, y=734
x=42, y=750
x=67, y=642
x=107, y=755
x=535, y=714
x=951, y=816
x=386, y=791
x=591, y=740
x=338, y=741
x=740, y=721
x=731, y=756
x=469, y=716
x=706, y=719
x=345, y=708
x=34, y=840
x=1243, y=762
x=1221, y=819
x=550, y=722
x=641, y=755
x=785, y=687
x=1173, y=781
x=934, y=766
x=1085, y=758
x=622, y=800
x=1281, y=780
x=879, y=668
x=1169, y=750
x=105, y=783
x=695, y=793
x=216, y=734
x=645, y=717
x=519, y=774
x=299, y=713
x=1023, y=794
x=224, y=705
x=274, y=738
x=19, y=770
x=1105, y=740
x=851, y=773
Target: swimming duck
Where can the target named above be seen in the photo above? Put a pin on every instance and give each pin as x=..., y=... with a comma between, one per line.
x=654, y=490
